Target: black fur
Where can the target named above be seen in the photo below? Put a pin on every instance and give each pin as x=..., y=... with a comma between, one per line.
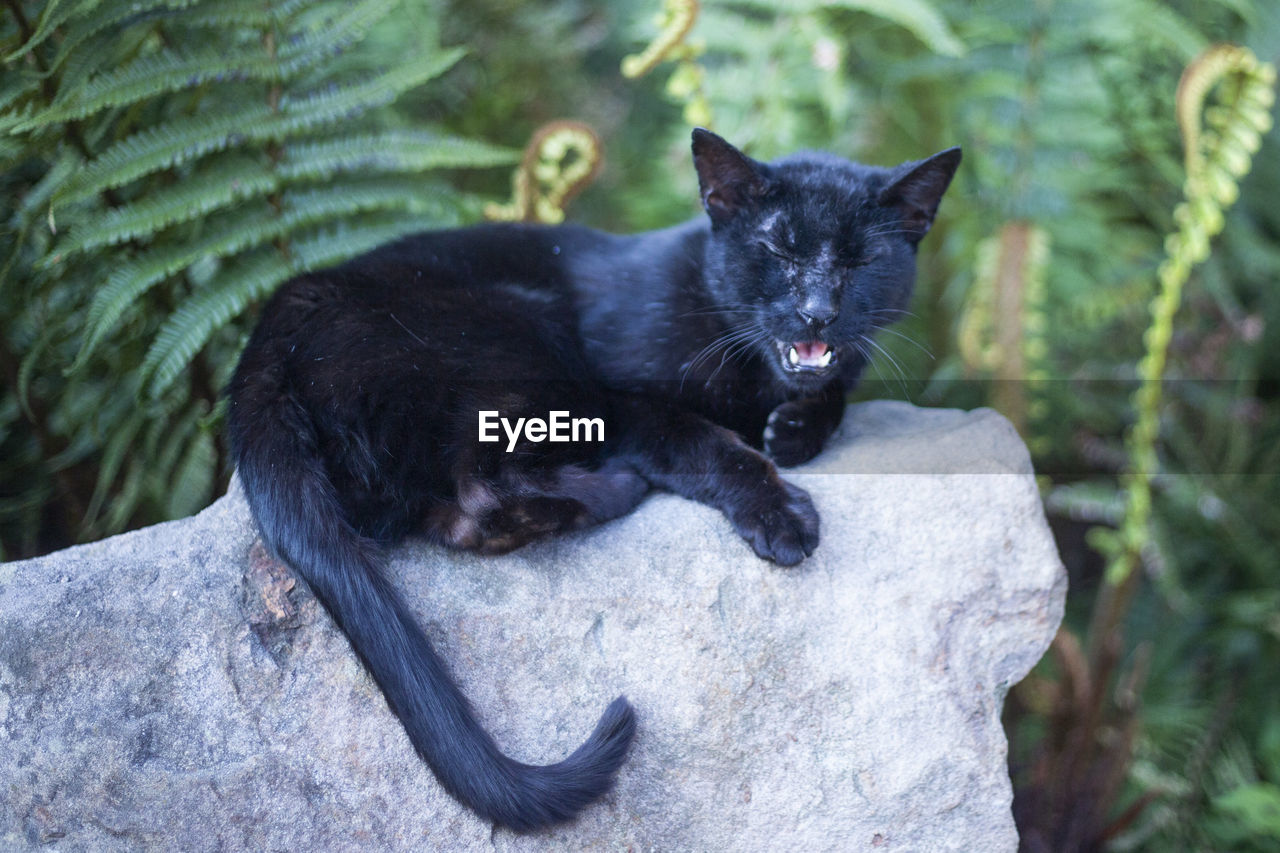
x=354, y=409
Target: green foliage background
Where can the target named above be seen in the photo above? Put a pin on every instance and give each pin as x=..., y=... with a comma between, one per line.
x=165, y=163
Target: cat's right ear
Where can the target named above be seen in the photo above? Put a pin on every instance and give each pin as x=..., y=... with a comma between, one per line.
x=727, y=178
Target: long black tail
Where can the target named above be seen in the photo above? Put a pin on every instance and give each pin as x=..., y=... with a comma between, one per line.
x=301, y=520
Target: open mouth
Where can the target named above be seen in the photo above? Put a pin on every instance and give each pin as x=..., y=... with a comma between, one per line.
x=806, y=356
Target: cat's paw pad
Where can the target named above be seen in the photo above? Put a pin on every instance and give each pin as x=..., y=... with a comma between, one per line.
x=789, y=437
x=782, y=527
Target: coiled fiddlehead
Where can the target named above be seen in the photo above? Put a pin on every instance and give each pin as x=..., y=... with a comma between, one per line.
x=686, y=82
x=562, y=157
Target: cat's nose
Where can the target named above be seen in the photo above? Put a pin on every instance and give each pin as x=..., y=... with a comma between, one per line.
x=817, y=315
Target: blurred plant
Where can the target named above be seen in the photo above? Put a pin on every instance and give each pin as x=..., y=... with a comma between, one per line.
x=686, y=82
x=1002, y=328
x=164, y=166
x=1084, y=761
x=1215, y=161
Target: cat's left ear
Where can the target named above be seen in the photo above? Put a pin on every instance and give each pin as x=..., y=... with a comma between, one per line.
x=727, y=178
x=917, y=189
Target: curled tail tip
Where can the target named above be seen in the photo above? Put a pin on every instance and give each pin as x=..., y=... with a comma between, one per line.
x=555, y=794
x=603, y=753
x=617, y=725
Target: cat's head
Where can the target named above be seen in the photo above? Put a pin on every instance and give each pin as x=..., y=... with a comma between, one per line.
x=808, y=255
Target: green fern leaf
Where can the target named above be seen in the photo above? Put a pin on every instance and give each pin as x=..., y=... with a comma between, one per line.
x=238, y=230
x=128, y=282
x=171, y=70
x=113, y=456
x=169, y=436
x=107, y=51
x=330, y=33
x=11, y=151
x=217, y=184
x=26, y=369
x=920, y=17
x=35, y=199
x=86, y=27
x=338, y=243
x=163, y=146
x=252, y=277
x=18, y=112
x=341, y=102
x=225, y=296
x=233, y=178
x=392, y=151
x=55, y=15
x=126, y=498
x=192, y=484
x=240, y=14
x=324, y=204
x=152, y=75
x=16, y=87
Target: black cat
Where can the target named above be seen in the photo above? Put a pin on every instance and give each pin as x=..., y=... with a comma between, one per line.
x=355, y=409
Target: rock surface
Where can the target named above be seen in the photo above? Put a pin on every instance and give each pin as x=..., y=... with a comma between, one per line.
x=170, y=689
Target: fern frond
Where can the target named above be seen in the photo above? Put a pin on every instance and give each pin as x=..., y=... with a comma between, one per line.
x=18, y=111
x=128, y=282
x=86, y=27
x=234, y=177
x=165, y=145
x=234, y=14
x=223, y=182
x=155, y=74
x=113, y=456
x=331, y=33
x=192, y=483
x=242, y=14
x=174, y=69
x=108, y=51
x=919, y=17
x=254, y=276
x=168, y=436
x=322, y=204
x=236, y=231
x=392, y=151
x=55, y=14
x=225, y=296
x=11, y=151
x=339, y=102
x=126, y=498
x=28, y=207
x=15, y=88
x=331, y=245
x=26, y=369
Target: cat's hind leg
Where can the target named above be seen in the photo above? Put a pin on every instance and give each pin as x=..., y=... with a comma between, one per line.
x=494, y=516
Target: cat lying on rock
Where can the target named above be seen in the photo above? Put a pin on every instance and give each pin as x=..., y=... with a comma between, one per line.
x=709, y=353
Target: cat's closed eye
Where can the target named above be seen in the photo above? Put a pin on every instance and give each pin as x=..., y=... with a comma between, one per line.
x=779, y=251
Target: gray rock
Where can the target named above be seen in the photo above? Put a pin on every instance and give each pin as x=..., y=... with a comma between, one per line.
x=168, y=689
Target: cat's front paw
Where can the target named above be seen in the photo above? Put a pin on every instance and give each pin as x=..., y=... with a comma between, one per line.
x=780, y=524
x=793, y=435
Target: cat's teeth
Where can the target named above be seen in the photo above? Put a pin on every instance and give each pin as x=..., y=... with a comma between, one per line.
x=793, y=356
x=825, y=358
